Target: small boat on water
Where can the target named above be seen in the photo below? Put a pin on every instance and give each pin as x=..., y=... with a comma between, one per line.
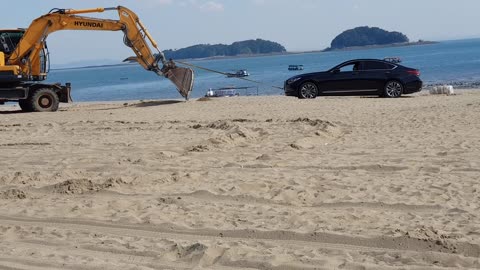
x=231, y=91
x=221, y=92
x=239, y=74
x=295, y=67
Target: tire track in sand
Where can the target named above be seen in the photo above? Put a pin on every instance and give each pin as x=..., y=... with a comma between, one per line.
x=326, y=240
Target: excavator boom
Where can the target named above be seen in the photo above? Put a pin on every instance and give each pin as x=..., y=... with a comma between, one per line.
x=28, y=57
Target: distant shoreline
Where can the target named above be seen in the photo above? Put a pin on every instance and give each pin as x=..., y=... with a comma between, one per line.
x=369, y=47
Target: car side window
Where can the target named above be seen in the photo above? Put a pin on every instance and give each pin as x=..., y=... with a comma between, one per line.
x=350, y=67
x=389, y=66
x=374, y=65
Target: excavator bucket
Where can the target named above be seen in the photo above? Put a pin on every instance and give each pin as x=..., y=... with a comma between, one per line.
x=182, y=78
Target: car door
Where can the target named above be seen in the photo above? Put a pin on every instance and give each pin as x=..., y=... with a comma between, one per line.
x=375, y=74
x=344, y=79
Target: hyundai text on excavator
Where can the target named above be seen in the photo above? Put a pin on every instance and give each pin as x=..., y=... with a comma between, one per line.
x=24, y=56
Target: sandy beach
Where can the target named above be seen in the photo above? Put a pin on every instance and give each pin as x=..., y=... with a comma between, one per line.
x=243, y=183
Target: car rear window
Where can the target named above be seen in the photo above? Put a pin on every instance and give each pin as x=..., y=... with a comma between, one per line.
x=374, y=65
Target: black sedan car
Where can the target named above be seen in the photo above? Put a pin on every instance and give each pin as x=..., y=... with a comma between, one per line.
x=357, y=77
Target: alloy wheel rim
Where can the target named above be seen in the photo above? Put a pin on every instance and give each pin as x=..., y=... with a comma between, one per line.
x=394, y=89
x=309, y=90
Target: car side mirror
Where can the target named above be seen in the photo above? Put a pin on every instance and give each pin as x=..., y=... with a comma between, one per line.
x=335, y=71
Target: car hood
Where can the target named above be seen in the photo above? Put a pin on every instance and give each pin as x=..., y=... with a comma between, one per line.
x=313, y=74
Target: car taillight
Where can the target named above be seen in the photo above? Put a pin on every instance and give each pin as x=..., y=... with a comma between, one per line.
x=414, y=72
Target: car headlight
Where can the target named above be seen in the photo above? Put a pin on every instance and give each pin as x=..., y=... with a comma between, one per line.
x=294, y=79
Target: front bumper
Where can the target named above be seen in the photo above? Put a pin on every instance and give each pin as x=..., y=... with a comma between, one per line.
x=290, y=90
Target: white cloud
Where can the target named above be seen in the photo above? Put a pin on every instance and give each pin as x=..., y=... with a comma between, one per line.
x=164, y=2
x=203, y=5
x=211, y=6
x=258, y=2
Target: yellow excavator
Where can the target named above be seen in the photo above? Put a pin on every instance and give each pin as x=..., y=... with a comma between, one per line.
x=24, y=56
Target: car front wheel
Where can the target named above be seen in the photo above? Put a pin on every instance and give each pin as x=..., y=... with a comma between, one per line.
x=393, y=89
x=308, y=90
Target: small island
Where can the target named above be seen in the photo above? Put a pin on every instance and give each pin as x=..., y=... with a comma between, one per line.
x=354, y=39
x=370, y=37
x=240, y=48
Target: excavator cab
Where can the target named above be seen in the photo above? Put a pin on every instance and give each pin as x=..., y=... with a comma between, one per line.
x=9, y=38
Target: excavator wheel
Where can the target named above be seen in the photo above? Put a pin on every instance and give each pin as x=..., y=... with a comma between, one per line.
x=42, y=100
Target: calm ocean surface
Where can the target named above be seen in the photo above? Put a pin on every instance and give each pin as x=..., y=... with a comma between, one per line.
x=445, y=62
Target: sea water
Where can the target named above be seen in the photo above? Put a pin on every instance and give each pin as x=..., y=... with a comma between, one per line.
x=444, y=62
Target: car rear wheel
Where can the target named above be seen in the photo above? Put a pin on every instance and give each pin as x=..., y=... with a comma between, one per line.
x=308, y=90
x=393, y=89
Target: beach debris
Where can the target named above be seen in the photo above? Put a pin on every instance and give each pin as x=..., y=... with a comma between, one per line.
x=442, y=90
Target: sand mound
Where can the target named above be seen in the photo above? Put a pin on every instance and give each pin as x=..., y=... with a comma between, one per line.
x=22, y=178
x=195, y=254
x=321, y=125
x=226, y=132
x=12, y=194
x=314, y=133
x=314, y=123
x=81, y=186
x=198, y=148
x=190, y=253
x=77, y=186
x=235, y=136
x=222, y=125
x=430, y=235
x=112, y=183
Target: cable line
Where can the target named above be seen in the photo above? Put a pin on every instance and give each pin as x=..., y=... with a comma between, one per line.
x=223, y=73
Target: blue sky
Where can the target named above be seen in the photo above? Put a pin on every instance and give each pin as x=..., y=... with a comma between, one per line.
x=299, y=25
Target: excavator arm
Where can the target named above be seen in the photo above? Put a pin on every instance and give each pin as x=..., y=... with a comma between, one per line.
x=28, y=54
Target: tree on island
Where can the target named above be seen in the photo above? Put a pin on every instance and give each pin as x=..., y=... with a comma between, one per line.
x=247, y=47
x=367, y=36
